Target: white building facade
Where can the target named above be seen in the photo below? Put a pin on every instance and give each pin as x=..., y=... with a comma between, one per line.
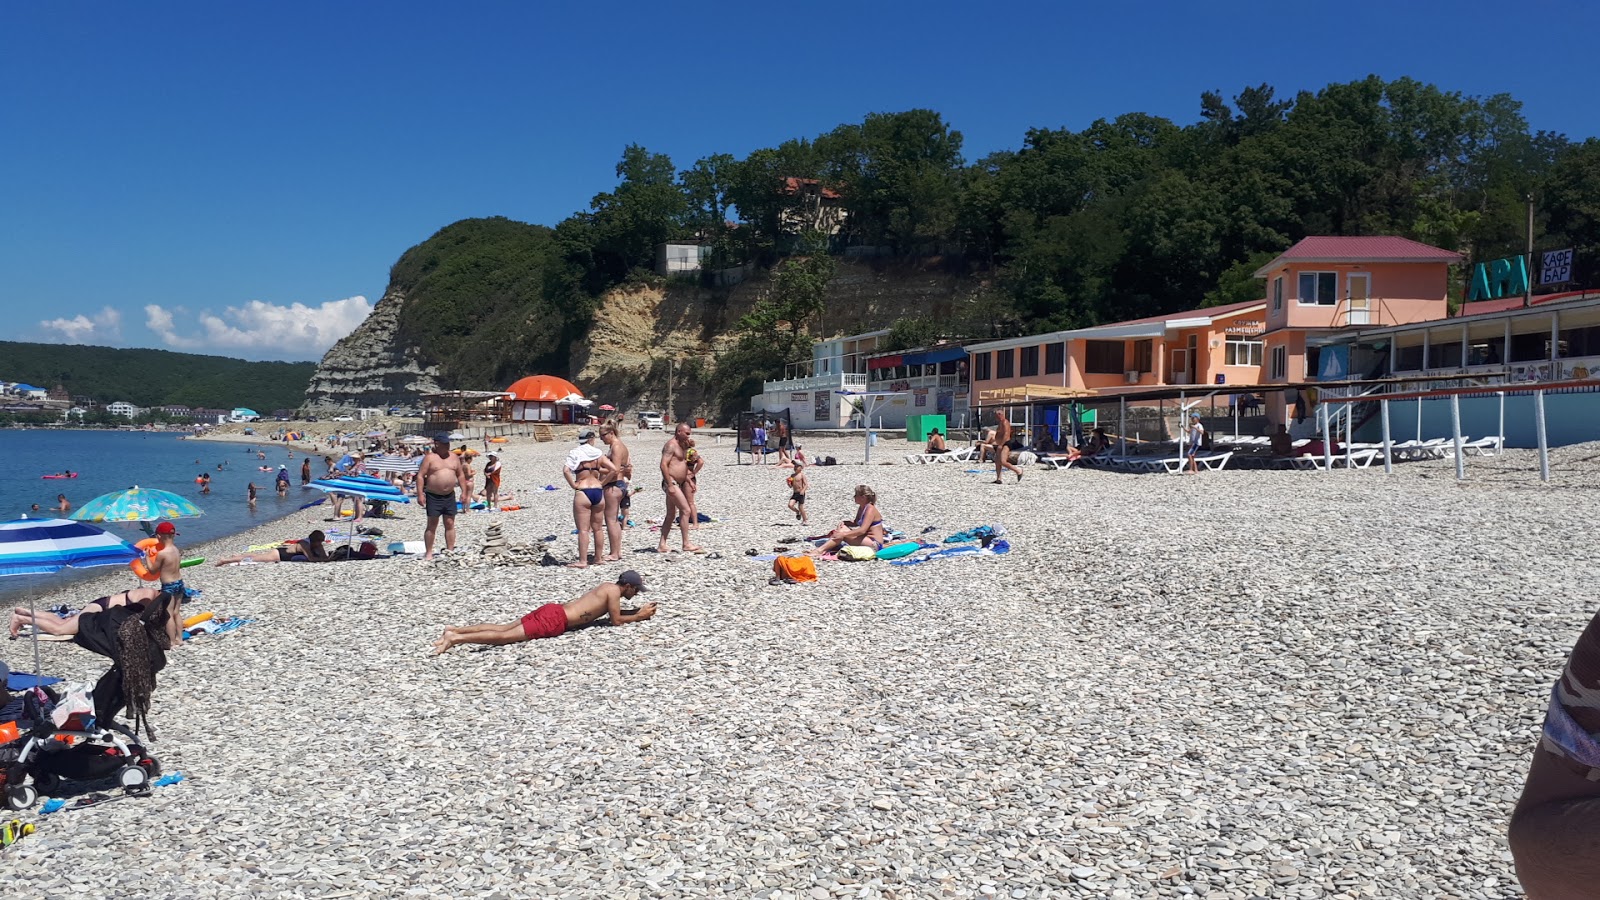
x=124, y=409
x=811, y=392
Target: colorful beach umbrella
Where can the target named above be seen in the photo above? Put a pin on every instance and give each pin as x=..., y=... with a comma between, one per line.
x=41, y=546
x=137, y=504
x=44, y=546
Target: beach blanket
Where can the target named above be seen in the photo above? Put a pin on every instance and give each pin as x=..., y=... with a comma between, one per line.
x=22, y=681
x=995, y=549
x=977, y=533
x=215, y=626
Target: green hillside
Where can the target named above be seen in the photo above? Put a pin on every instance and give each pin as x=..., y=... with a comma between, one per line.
x=157, y=377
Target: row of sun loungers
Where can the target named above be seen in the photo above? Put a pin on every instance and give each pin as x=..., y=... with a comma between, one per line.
x=1360, y=456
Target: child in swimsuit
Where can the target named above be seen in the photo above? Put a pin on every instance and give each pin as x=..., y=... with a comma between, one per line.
x=797, y=491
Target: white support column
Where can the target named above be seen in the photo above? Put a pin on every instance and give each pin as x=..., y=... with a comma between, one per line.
x=1544, y=444
x=1388, y=441
x=1327, y=436
x=1122, y=426
x=1500, y=441
x=1555, y=343
x=1455, y=431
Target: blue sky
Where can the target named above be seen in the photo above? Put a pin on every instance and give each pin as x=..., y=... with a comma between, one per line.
x=242, y=177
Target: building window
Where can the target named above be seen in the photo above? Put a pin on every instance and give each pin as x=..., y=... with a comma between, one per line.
x=1103, y=357
x=1055, y=358
x=1319, y=288
x=980, y=367
x=1280, y=363
x=1277, y=293
x=1408, y=359
x=1144, y=356
x=1242, y=352
x=1005, y=364
x=1030, y=361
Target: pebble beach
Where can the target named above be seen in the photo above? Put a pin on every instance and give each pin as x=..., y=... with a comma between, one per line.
x=1239, y=684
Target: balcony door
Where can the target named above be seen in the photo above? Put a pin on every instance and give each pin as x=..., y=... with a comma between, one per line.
x=1358, y=288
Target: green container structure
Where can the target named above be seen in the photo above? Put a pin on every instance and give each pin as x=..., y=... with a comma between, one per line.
x=919, y=427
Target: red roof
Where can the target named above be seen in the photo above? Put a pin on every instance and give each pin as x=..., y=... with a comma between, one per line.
x=1340, y=249
x=1482, y=307
x=792, y=185
x=1215, y=312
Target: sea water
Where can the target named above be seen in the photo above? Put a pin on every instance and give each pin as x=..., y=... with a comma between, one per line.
x=108, y=461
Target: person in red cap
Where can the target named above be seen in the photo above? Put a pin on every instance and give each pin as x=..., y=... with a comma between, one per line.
x=554, y=619
x=168, y=568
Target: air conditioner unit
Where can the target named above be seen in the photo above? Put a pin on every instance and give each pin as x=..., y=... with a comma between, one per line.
x=1132, y=376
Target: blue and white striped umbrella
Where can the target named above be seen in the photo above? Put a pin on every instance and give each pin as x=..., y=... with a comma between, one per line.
x=364, y=486
x=41, y=546
x=393, y=462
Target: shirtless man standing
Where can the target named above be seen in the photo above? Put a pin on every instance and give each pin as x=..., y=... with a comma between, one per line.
x=674, y=483
x=616, y=491
x=553, y=619
x=1002, y=446
x=440, y=477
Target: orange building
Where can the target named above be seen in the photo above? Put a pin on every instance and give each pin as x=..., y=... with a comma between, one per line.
x=1325, y=284
x=1217, y=345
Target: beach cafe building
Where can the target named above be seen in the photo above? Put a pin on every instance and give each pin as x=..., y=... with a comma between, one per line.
x=925, y=381
x=810, y=390
x=1324, y=285
x=1219, y=345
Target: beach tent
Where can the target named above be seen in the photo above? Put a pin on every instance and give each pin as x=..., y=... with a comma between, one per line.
x=543, y=398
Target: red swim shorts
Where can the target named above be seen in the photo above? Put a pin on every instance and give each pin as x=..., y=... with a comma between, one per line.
x=549, y=620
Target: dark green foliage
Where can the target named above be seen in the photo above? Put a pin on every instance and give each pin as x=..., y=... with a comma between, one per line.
x=491, y=300
x=157, y=377
x=1127, y=217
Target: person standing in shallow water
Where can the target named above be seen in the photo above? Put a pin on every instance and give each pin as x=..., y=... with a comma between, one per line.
x=305, y=471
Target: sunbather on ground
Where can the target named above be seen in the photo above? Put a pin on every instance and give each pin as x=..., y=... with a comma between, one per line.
x=312, y=548
x=865, y=531
x=50, y=623
x=555, y=619
x=1557, y=820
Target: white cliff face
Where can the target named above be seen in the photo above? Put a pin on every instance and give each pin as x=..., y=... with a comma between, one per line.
x=369, y=368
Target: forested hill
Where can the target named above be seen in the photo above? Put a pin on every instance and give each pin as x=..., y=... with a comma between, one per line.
x=156, y=377
x=1121, y=218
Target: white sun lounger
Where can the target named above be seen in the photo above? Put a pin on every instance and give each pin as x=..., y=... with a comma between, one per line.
x=1057, y=463
x=1212, y=462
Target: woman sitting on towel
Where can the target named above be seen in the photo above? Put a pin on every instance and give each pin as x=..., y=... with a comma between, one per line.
x=865, y=531
x=311, y=549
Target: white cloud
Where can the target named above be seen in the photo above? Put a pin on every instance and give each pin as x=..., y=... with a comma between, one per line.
x=296, y=330
x=105, y=325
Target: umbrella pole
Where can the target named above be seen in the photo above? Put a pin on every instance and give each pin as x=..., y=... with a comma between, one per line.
x=38, y=669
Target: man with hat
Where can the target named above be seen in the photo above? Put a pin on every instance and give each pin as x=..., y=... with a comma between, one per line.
x=555, y=619
x=439, y=478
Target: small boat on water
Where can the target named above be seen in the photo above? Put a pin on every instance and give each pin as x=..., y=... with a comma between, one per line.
x=67, y=475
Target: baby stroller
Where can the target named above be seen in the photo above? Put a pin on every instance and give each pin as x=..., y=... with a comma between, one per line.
x=64, y=742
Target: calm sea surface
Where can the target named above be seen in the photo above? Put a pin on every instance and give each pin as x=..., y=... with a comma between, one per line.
x=115, y=460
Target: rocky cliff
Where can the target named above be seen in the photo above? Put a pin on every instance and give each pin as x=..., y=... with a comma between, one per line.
x=370, y=366
x=638, y=329
x=641, y=336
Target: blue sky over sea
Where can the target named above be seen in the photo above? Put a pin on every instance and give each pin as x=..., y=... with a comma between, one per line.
x=237, y=179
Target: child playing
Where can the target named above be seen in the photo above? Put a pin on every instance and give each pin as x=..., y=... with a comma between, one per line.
x=797, y=491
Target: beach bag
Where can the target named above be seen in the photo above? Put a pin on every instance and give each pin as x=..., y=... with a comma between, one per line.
x=856, y=554
x=794, y=569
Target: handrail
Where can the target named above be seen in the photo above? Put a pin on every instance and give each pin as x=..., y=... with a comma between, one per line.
x=1525, y=388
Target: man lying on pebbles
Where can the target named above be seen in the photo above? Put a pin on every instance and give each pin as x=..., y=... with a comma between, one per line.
x=555, y=619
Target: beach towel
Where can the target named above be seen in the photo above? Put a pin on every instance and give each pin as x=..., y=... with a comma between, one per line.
x=22, y=681
x=998, y=547
x=216, y=626
x=794, y=569
x=977, y=533
x=856, y=554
